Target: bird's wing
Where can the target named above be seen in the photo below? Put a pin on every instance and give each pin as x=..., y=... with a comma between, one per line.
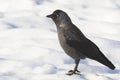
x=79, y=42
x=76, y=40
x=73, y=34
x=91, y=51
x=87, y=48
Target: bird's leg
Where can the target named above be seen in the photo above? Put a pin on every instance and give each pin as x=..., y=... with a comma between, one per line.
x=71, y=72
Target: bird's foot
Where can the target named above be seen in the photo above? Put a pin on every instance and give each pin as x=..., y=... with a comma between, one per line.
x=71, y=72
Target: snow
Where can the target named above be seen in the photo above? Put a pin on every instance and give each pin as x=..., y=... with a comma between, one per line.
x=29, y=47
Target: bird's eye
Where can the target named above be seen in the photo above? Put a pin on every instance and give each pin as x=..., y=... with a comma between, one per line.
x=57, y=15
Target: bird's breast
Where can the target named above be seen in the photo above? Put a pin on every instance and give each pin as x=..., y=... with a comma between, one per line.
x=68, y=50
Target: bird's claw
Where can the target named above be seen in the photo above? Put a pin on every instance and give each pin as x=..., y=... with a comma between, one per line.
x=71, y=72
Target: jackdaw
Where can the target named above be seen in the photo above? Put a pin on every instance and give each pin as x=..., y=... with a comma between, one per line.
x=74, y=42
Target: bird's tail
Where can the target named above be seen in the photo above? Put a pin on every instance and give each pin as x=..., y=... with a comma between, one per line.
x=106, y=62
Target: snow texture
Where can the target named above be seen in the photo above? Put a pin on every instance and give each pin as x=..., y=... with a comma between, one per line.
x=29, y=47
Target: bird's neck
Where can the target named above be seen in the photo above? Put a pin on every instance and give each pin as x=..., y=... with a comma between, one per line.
x=63, y=23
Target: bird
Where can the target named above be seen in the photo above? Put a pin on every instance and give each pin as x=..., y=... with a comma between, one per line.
x=74, y=43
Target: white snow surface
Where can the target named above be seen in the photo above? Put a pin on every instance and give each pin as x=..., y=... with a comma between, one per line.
x=29, y=47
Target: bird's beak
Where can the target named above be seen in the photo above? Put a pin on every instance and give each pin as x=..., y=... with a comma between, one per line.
x=50, y=16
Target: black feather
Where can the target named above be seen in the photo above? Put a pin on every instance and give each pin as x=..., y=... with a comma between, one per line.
x=90, y=50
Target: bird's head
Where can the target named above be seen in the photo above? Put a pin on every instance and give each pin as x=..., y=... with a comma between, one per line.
x=59, y=16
